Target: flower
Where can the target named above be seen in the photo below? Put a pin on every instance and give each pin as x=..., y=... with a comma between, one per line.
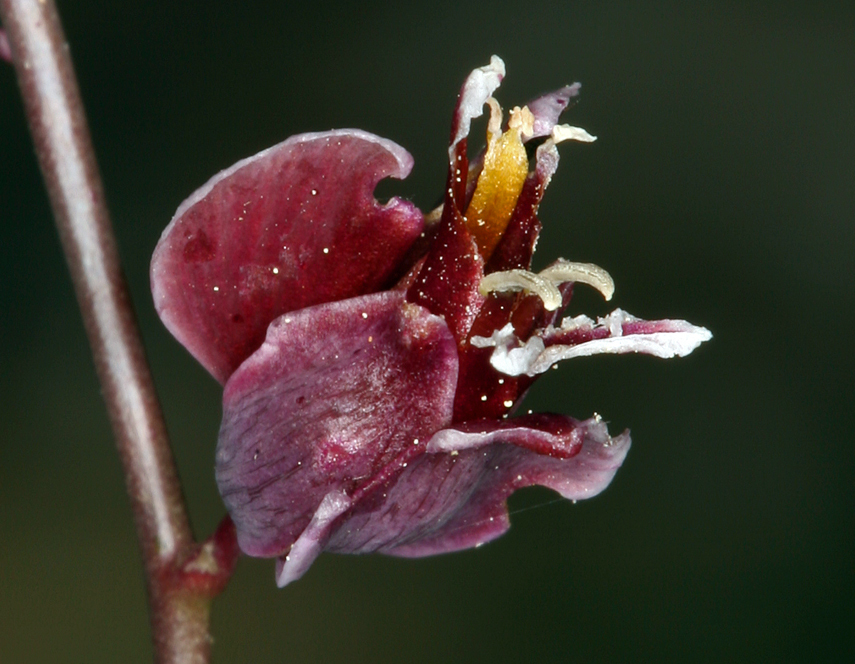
x=372, y=357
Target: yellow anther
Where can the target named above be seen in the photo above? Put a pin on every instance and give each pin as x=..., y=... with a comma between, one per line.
x=501, y=179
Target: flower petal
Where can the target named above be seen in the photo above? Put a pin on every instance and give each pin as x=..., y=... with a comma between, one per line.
x=619, y=333
x=453, y=497
x=477, y=88
x=312, y=540
x=293, y=226
x=331, y=398
x=448, y=278
x=547, y=109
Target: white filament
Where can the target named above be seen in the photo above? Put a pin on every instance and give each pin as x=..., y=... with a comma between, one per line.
x=583, y=273
x=545, y=283
x=517, y=280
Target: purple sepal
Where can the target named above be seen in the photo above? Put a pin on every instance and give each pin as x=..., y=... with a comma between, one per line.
x=311, y=542
x=279, y=232
x=329, y=401
x=454, y=496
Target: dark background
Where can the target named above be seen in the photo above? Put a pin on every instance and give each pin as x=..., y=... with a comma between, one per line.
x=721, y=190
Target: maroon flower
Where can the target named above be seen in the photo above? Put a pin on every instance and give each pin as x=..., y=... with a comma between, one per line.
x=371, y=356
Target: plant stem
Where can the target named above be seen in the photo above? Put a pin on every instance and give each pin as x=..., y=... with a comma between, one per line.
x=179, y=613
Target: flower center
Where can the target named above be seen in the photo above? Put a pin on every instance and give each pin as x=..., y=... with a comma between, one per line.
x=502, y=177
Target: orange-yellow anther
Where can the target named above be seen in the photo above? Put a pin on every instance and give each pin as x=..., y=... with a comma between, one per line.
x=501, y=179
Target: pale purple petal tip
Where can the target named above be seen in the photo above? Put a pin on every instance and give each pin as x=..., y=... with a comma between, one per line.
x=312, y=540
x=477, y=88
x=547, y=109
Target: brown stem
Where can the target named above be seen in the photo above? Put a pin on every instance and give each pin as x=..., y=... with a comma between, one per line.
x=179, y=611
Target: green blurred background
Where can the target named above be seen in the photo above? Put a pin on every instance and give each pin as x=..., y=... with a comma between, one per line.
x=721, y=190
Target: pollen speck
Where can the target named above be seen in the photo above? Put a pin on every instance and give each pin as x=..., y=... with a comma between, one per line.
x=326, y=250
x=508, y=403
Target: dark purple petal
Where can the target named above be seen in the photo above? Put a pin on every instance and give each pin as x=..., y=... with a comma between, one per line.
x=516, y=247
x=448, y=280
x=293, y=226
x=332, y=397
x=453, y=497
x=447, y=283
x=481, y=390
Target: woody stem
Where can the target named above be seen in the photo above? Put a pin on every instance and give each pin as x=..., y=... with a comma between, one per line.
x=40, y=54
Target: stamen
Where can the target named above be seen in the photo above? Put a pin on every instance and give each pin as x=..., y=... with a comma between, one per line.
x=494, y=124
x=584, y=273
x=500, y=181
x=523, y=120
x=517, y=280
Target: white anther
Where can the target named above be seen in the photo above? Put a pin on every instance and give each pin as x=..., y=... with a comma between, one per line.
x=562, y=133
x=585, y=273
x=522, y=119
x=517, y=280
x=494, y=125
